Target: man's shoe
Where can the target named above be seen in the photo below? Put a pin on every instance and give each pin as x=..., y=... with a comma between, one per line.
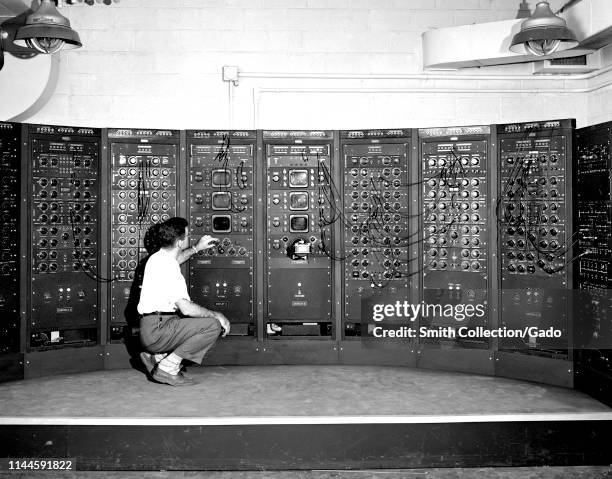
x=148, y=360
x=171, y=379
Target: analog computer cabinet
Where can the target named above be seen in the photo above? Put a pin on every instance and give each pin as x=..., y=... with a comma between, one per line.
x=457, y=265
x=11, y=361
x=593, y=266
x=376, y=239
x=64, y=274
x=300, y=253
x=222, y=195
x=143, y=171
x=533, y=214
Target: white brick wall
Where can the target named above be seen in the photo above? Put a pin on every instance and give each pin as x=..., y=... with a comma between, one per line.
x=145, y=63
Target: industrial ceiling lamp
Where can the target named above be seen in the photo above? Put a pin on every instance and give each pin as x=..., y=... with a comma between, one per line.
x=543, y=33
x=47, y=30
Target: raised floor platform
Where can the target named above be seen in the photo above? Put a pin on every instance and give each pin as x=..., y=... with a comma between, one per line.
x=302, y=417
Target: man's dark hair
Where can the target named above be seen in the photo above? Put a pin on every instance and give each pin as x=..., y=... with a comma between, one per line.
x=151, y=238
x=170, y=230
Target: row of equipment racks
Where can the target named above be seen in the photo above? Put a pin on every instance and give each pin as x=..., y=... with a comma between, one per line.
x=314, y=227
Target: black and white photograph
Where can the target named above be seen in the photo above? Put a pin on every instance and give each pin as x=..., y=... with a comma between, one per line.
x=306, y=239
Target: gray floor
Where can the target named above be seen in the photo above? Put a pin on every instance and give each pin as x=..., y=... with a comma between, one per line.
x=287, y=391
x=594, y=472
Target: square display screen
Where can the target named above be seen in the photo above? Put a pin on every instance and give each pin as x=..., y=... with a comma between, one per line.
x=221, y=224
x=298, y=200
x=221, y=201
x=221, y=178
x=298, y=178
x=298, y=223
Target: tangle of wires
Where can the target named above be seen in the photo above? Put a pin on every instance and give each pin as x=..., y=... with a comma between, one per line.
x=450, y=176
x=373, y=225
x=240, y=177
x=523, y=207
x=79, y=253
x=328, y=195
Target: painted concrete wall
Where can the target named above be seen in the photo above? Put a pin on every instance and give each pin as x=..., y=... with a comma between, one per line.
x=303, y=63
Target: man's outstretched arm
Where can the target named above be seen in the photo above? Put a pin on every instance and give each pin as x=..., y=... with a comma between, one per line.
x=203, y=243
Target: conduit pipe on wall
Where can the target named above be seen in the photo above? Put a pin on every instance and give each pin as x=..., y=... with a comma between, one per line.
x=419, y=76
x=259, y=92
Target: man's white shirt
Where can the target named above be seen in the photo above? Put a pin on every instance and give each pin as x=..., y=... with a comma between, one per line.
x=163, y=284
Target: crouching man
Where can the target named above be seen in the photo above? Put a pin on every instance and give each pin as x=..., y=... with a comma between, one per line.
x=172, y=327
